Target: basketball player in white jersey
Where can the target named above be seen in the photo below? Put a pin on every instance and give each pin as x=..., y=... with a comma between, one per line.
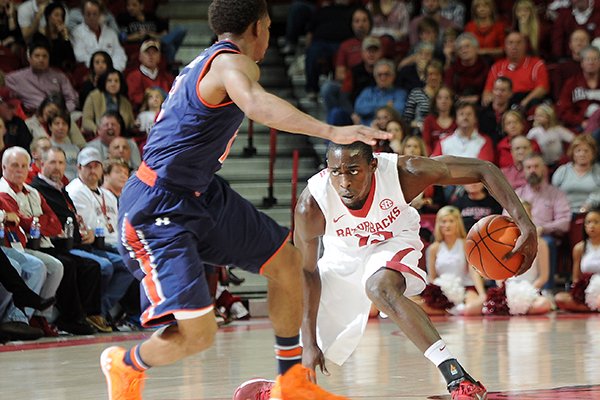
x=359, y=206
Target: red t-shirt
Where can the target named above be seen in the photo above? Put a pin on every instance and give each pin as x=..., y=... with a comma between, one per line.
x=527, y=75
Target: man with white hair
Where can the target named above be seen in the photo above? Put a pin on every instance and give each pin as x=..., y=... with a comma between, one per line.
x=72, y=279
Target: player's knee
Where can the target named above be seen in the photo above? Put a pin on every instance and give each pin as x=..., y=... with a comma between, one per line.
x=385, y=285
x=200, y=341
x=286, y=266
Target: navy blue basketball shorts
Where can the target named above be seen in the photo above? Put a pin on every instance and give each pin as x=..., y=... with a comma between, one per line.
x=167, y=236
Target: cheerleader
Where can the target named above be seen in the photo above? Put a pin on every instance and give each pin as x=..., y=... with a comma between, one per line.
x=454, y=287
x=521, y=294
x=584, y=295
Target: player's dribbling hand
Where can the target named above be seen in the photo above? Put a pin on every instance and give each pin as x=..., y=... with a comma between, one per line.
x=526, y=245
x=312, y=357
x=355, y=133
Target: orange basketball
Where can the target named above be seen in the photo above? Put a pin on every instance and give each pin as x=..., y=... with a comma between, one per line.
x=488, y=241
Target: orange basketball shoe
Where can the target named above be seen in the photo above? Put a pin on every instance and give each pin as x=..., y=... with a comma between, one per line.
x=293, y=385
x=124, y=382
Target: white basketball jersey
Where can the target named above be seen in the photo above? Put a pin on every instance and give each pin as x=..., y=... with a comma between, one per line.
x=384, y=215
x=357, y=244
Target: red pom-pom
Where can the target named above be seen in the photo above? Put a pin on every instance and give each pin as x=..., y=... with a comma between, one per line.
x=435, y=298
x=578, y=288
x=495, y=303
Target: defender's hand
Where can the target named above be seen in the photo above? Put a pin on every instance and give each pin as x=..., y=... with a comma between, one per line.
x=354, y=133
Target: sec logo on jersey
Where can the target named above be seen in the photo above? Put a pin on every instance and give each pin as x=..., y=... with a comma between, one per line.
x=386, y=204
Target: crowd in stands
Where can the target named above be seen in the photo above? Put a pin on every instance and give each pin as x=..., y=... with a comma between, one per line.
x=516, y=83
x=81, y=84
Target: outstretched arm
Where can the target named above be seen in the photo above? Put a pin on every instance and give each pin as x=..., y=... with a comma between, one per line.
x=236, y=76
x=416, y=173
x=309, y=227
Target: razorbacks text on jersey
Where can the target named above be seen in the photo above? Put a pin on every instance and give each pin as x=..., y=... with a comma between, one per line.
x=191, y=138
x=384, y=215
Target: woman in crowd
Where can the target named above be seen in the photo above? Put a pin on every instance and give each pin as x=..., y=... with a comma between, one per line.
x=487, y=28
x=111, y=95
x=52, y=105
x=419, y=99
x=580, y=177
x=100, y=62
x=57, y=35
x=522, y=294
x=584, y=295
x=440, y=121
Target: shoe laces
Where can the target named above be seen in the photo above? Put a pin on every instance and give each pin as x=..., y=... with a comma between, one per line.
x=467, y=388
x=134, y=387
x=263, y=394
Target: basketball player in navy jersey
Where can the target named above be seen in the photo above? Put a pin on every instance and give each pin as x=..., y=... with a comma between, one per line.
x=174, y=216
x=360, y=208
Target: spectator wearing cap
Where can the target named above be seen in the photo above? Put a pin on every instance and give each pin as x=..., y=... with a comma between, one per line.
x=97, y=206
x=137, y=25
x=15, y=130
x=32, y=84
x=148, y=75
x=91, y=35
x=339, y=100
x=109, y=128
x=113, y=274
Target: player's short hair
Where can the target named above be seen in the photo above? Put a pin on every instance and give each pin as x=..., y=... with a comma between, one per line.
x=234, y=16
x=363, y=149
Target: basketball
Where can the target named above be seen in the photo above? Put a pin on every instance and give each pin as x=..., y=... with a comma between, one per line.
x=488, y=241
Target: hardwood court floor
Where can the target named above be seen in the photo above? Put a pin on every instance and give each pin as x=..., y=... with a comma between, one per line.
x=550, y=357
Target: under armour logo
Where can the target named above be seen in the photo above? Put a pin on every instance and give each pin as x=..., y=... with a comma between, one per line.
x=162, y=221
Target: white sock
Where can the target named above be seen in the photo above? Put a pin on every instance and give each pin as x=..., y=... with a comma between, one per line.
x=438, y=352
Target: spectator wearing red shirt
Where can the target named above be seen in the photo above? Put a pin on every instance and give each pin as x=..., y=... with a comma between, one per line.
x=580, y=95
x=513, y=125
x=582, y=15
x=440, y=122
x=467, y=74
x=466, y=141
x=528, y=74
x=148, y=74
x=488, y=30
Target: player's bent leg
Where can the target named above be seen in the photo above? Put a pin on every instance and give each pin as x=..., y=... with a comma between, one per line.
x=284, y=274
x=386, y=289
x=187, y=337
x=124, y=370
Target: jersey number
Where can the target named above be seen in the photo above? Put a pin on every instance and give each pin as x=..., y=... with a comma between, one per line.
x=376, y=237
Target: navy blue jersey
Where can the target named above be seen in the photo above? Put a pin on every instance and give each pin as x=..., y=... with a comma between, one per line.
x=191, y=138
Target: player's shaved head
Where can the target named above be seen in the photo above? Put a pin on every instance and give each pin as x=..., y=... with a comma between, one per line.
x=356, y=149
